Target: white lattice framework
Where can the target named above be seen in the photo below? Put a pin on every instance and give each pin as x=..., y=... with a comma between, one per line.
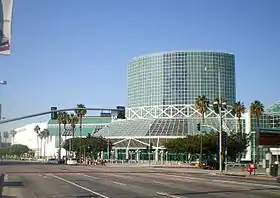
x=173, y=111
x=167, y=111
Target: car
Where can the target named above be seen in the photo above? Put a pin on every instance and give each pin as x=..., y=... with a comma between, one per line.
x=52, y=161
x=72, y=161
x=208, y=164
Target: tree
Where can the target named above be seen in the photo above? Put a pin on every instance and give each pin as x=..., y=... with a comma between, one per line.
x=236, y=145
x=80, y=111
x=44, y=135
x=37, y=130
x=238, y=109
x=91, y=146
x=176, y=145
x=13, y=133
x=65, y=121
x=59, y=121
x=19, y=149
x=4, y=151
x=191, y=144
x=40, y=135
x=73, y=120
x=256, y=109
x=201, y=105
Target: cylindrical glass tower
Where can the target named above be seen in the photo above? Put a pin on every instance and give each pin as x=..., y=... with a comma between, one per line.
x=174, y=78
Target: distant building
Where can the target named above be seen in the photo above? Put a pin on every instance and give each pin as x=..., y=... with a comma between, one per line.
x=25, y=135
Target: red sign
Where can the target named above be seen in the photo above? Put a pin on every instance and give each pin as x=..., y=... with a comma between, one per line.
x=268, y=139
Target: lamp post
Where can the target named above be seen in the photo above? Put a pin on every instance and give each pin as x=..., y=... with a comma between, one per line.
x=2, y=83
x=149, y=150
x=220, y=104
x=108, y=144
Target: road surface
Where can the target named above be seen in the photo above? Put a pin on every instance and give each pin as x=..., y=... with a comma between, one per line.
x=32, y=180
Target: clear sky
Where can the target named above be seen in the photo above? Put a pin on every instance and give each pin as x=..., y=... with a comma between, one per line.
x=68, y=51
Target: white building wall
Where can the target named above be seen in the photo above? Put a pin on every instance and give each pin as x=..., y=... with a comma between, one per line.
x=248, y=131
x=25, y=135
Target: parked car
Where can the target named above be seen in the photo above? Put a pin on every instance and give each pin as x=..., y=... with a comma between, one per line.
x=52, y=161
x=72, y=161
x=208, y=164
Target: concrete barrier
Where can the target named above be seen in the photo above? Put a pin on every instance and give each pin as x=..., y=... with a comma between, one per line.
x=2, y=179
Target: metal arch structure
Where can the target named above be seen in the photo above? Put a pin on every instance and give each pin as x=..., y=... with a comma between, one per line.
x=173, y=111
x=58, y=110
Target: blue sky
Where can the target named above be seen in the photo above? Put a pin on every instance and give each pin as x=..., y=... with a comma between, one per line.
x=67, y=52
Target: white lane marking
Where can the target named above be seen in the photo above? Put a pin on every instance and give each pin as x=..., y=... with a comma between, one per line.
x=88, y=176
x=221, y=181
x=119, y=183
x=79, y=186
x=168, y=195
x=247, y=184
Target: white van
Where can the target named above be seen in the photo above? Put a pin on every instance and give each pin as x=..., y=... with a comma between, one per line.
x=72, y=161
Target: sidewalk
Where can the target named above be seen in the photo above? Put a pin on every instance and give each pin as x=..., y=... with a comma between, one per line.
x=15, y=189
x=257, y=176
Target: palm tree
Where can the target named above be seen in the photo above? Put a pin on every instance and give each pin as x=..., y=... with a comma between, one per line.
x=37, y=130
x=59, y=121
x=6, y=136
x=201, y=105
x=238, y=108
x=73, y=120
x=256, y=109
x=80, y=112
x=44, y=135
x=65, y=121
x=13, y=133
x=41, y=135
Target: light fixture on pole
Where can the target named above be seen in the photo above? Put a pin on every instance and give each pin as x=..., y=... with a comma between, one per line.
x=220, y=104
x=2, y=82
x=108, y=144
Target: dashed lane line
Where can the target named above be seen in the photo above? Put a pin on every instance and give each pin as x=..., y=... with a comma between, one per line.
x=79, y=186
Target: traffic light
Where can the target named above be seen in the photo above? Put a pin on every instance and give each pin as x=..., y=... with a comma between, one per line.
x=198, y=126
x=54, y=113
x=121, y=112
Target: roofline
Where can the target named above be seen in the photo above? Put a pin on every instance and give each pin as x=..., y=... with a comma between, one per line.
x=178, y=51
x=276, y=103
x=143, y=137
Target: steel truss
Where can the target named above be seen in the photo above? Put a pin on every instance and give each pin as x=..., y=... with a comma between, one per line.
x=173, y=111
x=140, y=142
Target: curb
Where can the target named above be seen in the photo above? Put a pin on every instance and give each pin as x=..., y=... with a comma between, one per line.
x=252, y=177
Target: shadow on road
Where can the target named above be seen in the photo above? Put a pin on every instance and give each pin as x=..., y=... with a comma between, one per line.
x=224, y=191
x=11, y=184
x=16, y=163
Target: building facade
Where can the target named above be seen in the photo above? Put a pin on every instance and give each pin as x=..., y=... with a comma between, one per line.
x=26, y=135
x=176, y=78
x=162, y=89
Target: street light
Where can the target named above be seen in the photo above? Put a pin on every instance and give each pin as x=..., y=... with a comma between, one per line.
x=3, y=83
x=108, y=144
x=220, y=104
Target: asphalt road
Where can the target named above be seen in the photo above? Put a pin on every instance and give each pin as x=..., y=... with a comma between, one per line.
x=32, y=180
